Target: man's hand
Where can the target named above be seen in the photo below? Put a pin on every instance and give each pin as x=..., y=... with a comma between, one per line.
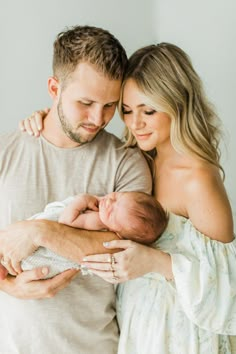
x=31, y=284
x=17, y=242
x=3, y=272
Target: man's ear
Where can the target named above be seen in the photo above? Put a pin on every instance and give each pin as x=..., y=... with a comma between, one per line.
x=53, y=87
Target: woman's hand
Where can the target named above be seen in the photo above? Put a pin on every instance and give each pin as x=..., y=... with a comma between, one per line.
x=33, y=125
x=32, y=285
x=135, y=261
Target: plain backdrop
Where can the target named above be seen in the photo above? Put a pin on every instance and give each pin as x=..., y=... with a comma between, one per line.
x=206, y=30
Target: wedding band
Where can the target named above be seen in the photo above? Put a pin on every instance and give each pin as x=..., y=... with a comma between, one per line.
x=113, y=261
x=114, y=277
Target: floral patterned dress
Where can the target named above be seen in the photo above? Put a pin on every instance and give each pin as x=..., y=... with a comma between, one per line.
x=195, y=313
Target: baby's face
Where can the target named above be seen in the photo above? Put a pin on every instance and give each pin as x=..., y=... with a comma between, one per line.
x=113, y=210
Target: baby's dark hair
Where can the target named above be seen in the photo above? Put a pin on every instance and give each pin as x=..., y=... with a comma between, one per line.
x=148, y=216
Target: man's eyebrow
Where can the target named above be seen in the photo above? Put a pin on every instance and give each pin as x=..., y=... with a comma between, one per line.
x=90, y=100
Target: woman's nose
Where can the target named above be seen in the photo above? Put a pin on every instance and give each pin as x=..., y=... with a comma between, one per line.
x=136, y=122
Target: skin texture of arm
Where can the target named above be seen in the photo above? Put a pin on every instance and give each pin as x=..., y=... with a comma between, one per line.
x=22, y=238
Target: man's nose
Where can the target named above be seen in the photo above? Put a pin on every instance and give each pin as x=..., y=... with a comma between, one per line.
x=96, y=116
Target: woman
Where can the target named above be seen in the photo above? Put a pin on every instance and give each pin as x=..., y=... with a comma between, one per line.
x=181, y=298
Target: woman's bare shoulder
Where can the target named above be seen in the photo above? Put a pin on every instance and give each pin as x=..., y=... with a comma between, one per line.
x=207, y=203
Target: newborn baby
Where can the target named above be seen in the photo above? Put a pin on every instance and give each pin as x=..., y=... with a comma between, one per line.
x=131, y=215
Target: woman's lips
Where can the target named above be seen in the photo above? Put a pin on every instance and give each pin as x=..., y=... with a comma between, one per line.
x=143, y=136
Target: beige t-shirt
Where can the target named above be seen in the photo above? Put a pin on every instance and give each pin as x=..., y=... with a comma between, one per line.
x=80, y=319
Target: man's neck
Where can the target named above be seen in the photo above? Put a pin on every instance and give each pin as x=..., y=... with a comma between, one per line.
x=53, y=132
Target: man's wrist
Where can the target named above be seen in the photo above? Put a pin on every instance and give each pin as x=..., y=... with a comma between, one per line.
x=39, y=232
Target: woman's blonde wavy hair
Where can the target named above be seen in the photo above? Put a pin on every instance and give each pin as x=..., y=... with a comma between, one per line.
x=165, y=75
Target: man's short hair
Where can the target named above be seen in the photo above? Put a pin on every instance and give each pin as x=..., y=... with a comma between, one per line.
x=91, y=45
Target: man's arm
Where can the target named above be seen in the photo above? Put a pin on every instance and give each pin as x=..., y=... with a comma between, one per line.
x=70, y=242
x=21, y=239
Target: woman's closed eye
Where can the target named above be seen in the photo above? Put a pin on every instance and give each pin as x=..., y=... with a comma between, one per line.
x=150, y=113
x=126, y=111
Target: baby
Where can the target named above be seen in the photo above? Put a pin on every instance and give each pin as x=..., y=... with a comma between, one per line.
x=131, y=215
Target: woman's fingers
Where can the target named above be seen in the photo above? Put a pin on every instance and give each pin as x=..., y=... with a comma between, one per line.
x=98, y=266
x=31, y=125
x=34, y=124
x=27, y=126
x=22, y=125
x=104, y=258
x=108, y=276
x=105, y=266
x=121, y=244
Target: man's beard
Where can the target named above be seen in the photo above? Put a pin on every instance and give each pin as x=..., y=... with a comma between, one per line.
x=69, y=130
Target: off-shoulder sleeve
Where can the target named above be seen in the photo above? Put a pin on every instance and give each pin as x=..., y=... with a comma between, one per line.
x=205, y=278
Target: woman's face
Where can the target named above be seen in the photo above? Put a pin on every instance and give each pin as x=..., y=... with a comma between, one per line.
x=150, y=128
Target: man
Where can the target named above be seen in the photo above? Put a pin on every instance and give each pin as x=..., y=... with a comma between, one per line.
x=73, y=155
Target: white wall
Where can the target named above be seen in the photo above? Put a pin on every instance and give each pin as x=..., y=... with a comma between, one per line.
x=204, y=29
x=27, y=31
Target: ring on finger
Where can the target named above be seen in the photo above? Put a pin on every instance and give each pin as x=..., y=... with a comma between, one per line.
x=112, y=267
x=113, y=261
x=114, y=276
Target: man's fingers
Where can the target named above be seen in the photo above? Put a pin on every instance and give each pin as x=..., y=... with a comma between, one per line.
x=3, y=272
x=61, y=280
x=7, y=264
x=17, y=267
x=35, y=274
x=65, y=276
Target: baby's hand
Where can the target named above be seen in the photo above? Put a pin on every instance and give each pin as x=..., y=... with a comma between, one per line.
x=69, y=215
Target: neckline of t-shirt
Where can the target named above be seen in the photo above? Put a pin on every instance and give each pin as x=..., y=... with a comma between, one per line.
x=79, y=147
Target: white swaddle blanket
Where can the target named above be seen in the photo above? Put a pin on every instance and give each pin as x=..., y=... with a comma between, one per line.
x=45, y=257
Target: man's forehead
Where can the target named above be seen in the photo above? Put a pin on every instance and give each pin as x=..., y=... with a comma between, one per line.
x=90, y=84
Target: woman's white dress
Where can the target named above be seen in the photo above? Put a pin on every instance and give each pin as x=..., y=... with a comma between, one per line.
x=195, y=313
